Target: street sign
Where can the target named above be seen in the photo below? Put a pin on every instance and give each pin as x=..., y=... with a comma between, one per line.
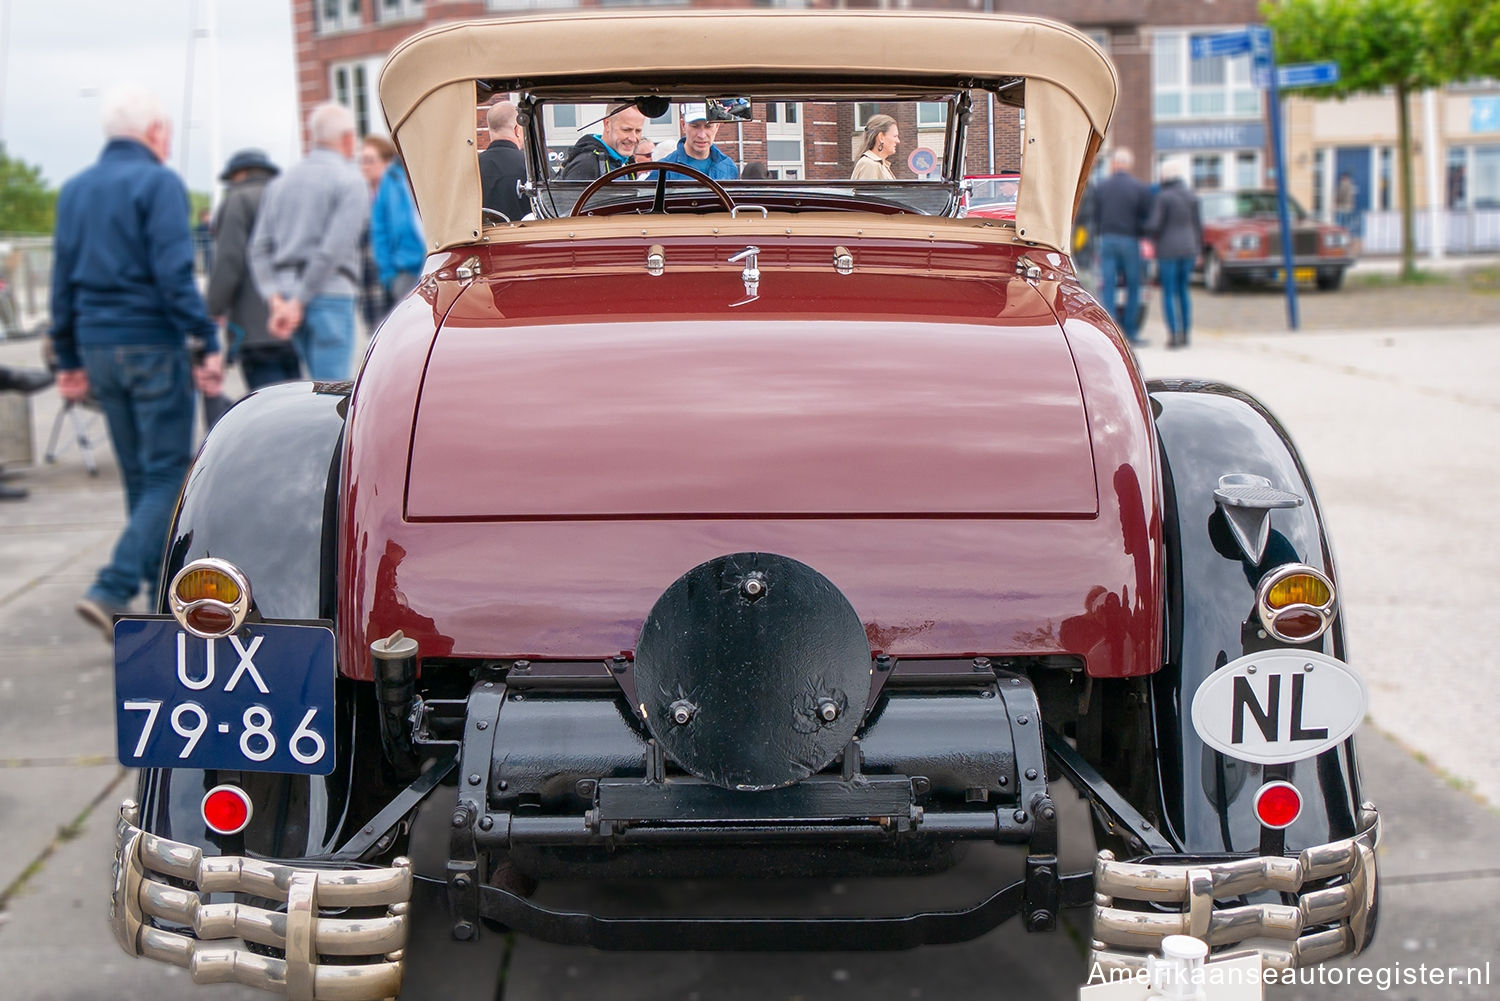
x=922, y=160
x=1307, y=74
x=1228, y=43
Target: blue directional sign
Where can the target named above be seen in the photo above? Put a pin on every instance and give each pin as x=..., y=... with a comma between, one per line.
x=1307, y=74
x=1228, y=43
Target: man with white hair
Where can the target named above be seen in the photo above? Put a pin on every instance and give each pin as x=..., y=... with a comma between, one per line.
x=304, y=252
x=1122, y=204
x=124, y=311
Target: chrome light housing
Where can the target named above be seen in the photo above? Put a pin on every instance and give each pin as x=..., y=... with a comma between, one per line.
x=1245, y=241
x=1296, y=603
x=209, y=597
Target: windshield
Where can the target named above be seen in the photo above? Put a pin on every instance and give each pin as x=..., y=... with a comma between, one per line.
x=794, y=154
x=1228, y=205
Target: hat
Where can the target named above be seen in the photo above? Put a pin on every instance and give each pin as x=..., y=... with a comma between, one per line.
x=248, y=159
x=694, y=112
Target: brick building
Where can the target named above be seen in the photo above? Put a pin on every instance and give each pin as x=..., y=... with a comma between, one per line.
x=1169, y=105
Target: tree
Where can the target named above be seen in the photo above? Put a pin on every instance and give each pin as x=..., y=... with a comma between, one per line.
x=1377, y=44
x=26, y=203
x=1466, y=36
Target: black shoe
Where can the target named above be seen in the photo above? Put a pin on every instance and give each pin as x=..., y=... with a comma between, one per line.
x=25, y=380
x=13, y=493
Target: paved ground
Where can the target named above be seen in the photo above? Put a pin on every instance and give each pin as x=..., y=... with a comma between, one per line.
x=1398, y=426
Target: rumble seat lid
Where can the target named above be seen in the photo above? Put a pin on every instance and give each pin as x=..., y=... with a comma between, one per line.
x=571, y=398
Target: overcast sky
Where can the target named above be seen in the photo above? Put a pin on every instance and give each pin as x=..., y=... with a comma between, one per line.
x=59, y=55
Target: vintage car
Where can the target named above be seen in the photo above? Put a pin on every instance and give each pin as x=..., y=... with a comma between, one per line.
x=992, y=196
x=689, y=528
x=1242, y=242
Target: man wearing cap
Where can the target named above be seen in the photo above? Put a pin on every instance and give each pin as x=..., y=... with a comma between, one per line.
x=700, y=127
x=592, y=156
x=232, y=294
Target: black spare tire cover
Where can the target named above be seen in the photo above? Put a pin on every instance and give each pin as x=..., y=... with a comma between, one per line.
x=753, y=671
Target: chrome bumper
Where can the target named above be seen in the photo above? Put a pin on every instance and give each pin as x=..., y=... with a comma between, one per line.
x=326, y=958
x=1279, y=932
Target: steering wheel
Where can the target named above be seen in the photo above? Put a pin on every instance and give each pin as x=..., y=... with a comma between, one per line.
x=662, y=168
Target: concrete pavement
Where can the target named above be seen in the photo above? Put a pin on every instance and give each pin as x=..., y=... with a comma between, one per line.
x=1398, y=428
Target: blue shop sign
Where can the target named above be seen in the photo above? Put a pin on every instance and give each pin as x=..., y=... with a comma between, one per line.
x=1225, y=135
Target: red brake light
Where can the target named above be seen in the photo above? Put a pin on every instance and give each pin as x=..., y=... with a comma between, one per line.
x=226, y=809
x=1278, y=804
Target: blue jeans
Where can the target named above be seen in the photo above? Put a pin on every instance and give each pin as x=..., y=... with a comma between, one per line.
x=1121, y=255
x=268, y=364
x=146, y=393
x=1178, y=308
x=326, y=338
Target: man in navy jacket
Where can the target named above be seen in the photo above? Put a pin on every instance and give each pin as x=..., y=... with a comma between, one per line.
x=124, y=310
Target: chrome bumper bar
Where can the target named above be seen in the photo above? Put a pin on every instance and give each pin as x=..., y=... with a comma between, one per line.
x=141, y=906
x=1281, y=933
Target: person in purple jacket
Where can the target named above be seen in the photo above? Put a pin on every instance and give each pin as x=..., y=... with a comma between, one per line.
x=127, y=319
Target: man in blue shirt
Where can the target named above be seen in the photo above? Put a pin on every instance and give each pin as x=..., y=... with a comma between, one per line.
x=124, y=307
x=700, y=127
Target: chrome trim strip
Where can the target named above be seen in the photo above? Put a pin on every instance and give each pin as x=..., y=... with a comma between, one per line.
x=209, y=953
x=1123, y=937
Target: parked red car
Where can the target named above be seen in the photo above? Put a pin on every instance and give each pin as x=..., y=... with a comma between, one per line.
x=1242, y=242
x=993, y=196
x=693, y=527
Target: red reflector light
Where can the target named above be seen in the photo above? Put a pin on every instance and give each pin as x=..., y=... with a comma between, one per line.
x=1278, y=804
x=226, y=809
x=211, y=619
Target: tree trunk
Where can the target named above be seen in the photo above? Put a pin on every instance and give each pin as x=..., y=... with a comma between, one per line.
x=1403, y=165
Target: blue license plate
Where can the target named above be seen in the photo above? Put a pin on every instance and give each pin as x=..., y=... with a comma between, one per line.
x=259, y=700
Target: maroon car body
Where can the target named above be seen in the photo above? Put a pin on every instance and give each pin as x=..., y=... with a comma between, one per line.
x=1242, y=242
x=695, y=528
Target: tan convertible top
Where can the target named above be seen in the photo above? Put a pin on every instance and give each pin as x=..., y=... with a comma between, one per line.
x=427, y=84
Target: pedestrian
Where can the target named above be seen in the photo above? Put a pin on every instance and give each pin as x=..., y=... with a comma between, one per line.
x=375, y=155
x=264, y=360
x=502, y=165
x=881, y=139
x=591, y=156
x=396, y=240
x=1122, y=204
x=124, y=309
x=1177, y=231
x=645, y=150
x=304, y=251
x=1346, y=209
x=700, y=127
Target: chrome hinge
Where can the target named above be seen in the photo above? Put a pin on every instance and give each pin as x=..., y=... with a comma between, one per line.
x=1028, y=269
x=656, y=260
x=469, y=268
x=843, y=261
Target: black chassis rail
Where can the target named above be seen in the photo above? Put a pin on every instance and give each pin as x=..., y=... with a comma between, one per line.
x=648, y=810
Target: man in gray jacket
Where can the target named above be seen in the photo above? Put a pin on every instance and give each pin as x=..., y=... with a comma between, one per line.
x=305, y=253
x=232, y=294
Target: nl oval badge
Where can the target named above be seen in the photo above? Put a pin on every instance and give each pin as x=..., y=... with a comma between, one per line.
x=1278, y=706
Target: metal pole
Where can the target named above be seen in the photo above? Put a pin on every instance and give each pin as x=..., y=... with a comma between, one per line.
x=1437, y=232
x=1264, y=40
x=185, y=139
x=215, y=151
x=4, y=60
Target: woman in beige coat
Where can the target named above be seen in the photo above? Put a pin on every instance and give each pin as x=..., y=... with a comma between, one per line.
x=881, y=139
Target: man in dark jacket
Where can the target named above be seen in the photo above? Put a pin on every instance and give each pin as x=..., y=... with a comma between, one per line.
x=502, y=165
x=1121, y=204
x=592, y=156
x=231, y=288
x=124, y=307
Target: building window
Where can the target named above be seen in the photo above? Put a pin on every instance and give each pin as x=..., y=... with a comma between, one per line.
x=1208, y=172
x=932, y=114
x=1458, y=170
x=1484, y=191
x=564, y=116
x=783, y=114
x=398, y=10
x=1184, y=87
x=1247, y=169
x=349, y=85
x=863, y=112
x=337, y=15
x=1385, y=187
x=1319, y=178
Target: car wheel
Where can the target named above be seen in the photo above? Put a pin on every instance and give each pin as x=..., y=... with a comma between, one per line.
x=1214, y=278
x=1328, y=281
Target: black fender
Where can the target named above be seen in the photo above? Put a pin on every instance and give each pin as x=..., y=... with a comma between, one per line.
x=1206, y=799
x=262, y=493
